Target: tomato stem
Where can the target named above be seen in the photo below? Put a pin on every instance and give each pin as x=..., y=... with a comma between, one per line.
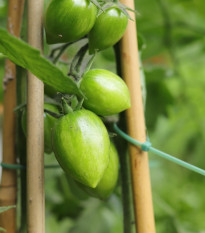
x=61, y=50
x=53, y=114
x=77, y=61
x=80, y=104
x=90, y=62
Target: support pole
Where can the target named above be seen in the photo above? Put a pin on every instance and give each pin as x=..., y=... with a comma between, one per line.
x=142, y=195
x=35, y=128
x=8, y=180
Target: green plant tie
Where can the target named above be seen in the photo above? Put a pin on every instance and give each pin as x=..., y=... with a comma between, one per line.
x=13, y=166
x=147, y=146
x=22, y=167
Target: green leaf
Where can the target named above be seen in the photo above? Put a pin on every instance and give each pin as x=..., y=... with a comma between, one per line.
x=27, y=57
x=5, y=208
x=2, y=229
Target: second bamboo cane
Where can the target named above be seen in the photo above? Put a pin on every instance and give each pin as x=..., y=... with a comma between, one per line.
x=142, y=195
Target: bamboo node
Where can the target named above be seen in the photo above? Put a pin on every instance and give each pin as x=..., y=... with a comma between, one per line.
x=9, y=74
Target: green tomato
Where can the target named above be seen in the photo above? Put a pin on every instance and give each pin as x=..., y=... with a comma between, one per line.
x=69, y=20
x=49, y=123
x=108, y=29
x=108, y=182
x=106, y=93
x=81, y=146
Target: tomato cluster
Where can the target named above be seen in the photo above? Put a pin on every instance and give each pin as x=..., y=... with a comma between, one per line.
x=79, y=138
x=70, y=20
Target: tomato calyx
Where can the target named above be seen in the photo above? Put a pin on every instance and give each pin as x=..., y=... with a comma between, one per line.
x=66, y=108
x=71, y=104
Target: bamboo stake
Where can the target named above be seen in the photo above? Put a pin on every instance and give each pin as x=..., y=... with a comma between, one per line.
x=35, y=128
x=136, y=128
x=8, y=181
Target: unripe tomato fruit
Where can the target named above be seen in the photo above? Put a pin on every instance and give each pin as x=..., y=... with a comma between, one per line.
x=49, y=122
x=81, y=146
x=109, y=27
x=69, y=20
x=108, y=182
x=106, y=93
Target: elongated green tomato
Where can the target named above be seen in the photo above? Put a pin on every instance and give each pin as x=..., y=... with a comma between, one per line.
x=106, y=93
x=81, y=146
x=68, y=20
x=49, y=122
x=108, y=182
x=109, y=27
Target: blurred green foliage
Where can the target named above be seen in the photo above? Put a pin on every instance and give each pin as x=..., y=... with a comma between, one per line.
x=172, y=49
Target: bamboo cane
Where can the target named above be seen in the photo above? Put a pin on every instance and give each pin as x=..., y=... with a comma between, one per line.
x=8, y=181
x=142, y=195
x=35, y=129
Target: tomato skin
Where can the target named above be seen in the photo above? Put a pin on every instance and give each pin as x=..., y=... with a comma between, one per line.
x=109, y=27
x=106, y=93
x=108, y=182
x=81, y=146
x=69, y=20
x=49, y=123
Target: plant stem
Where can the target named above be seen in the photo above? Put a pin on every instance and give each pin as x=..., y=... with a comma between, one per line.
x=82, y=55
x=77, y=60
x=89, y=64
x=129, y=220
x=53, y=114
x=62, y=49
x=21, y=142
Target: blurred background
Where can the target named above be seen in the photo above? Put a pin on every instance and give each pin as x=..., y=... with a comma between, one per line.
x=171, y=39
